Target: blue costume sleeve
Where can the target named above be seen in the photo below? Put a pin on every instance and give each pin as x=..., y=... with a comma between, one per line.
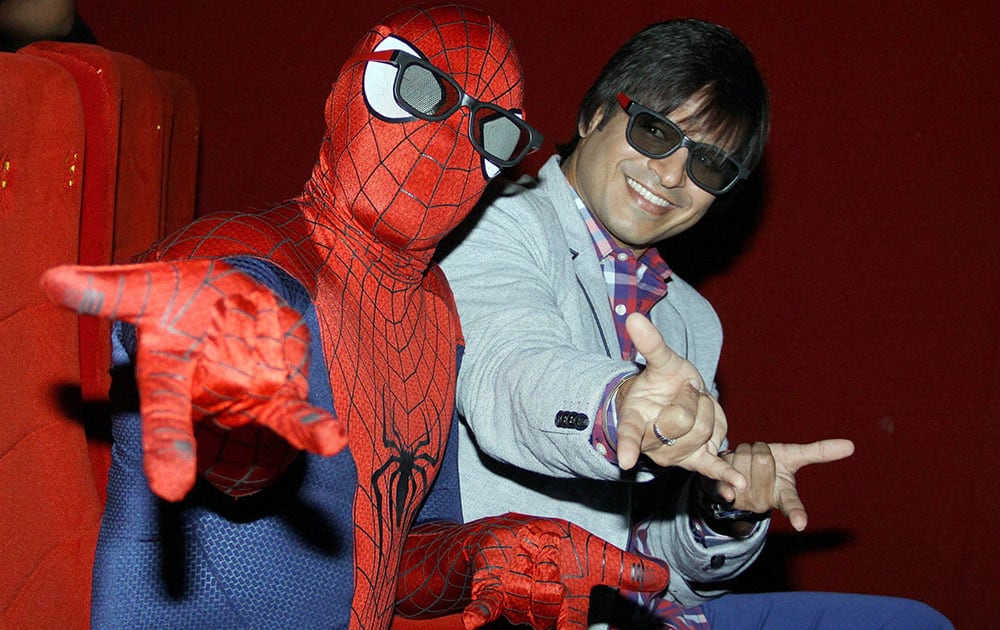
x=282, y=558
x=443, y=503
x=279, y=559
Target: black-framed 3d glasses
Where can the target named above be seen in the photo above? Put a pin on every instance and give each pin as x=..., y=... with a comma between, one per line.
x=656, y=136
x=428, y=93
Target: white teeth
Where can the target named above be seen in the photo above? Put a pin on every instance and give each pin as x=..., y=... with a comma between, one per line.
x=644, y=192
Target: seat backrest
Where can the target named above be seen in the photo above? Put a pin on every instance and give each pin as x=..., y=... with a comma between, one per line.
x=94, y=146
x=99, y=83
x=139, y=183
x=181, y=151
x=123, y=190
x=51, y=508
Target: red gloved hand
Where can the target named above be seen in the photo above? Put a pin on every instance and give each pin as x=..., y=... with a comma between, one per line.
x=218, y=353
x=530, y=570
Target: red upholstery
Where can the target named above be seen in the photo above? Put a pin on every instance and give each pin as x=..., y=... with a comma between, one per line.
x=51, y=509
x=140, y=160
x=84, y=166
x=181, y=126
x=123, y=192
x=99, y=84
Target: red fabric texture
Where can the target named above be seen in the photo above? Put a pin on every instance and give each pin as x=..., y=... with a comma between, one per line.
x=99, y=85
x=447, y=622
x=180, y=149
x=51, y=507
x=535, y=571
x=140, y=160
x=215, y=345
x=133, y=173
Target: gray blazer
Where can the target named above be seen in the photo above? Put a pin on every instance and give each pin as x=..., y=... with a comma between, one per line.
x=540, y=350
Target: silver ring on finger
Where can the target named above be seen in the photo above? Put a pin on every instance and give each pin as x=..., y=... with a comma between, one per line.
x=662, y=438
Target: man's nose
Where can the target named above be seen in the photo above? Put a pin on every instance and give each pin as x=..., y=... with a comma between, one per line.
x=672, y=169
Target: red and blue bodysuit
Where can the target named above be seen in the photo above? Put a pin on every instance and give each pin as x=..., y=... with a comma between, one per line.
x=302, y=360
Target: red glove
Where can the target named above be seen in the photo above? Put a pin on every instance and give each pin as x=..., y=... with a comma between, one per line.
x=218, y=354
x=531, y=570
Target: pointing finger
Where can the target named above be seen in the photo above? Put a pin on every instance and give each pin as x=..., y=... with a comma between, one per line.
x=714, y=467
x=486, y=606
x=133, y=293
x=792, y=507
x=305, y=427
x=659, y=357
x=819, y=452
x=167, y=432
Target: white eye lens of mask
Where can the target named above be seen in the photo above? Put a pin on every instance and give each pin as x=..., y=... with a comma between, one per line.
x=379, y=80
x=490, y=169
x=502, y=137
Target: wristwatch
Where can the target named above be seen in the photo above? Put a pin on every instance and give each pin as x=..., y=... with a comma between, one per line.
x=720, y=510
x=723, y=511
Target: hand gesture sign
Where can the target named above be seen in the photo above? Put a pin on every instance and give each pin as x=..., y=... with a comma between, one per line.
x=771, y=469
x=529, y=570
x=665, y=413
x=214, y=346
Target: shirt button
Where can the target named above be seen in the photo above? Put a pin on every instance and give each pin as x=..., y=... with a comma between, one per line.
x=621, y=309
x=717, y=561
x=622, y=256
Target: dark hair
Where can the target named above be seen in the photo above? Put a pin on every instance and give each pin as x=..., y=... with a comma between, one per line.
x=665, y=64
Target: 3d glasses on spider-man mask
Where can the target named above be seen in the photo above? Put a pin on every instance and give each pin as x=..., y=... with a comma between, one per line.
x=428, y=93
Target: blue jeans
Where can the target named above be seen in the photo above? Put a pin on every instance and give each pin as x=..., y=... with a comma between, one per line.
x=802, y=610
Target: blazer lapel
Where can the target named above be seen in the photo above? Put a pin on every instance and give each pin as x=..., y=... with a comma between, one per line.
x=581, y=251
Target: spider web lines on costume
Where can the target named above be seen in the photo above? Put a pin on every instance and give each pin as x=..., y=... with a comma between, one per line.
x=493, y=77
x=523, y=560
x=275, y=234
x=412, y=178
x=388, y=333
x=212, y=345
x=398, y=367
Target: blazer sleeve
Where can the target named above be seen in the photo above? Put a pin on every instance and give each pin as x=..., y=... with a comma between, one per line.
x=530, y=358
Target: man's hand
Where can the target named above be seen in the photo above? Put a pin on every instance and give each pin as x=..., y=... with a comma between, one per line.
x=668, y=400
x=529, y=570
x=214, y=346
x=770, y=470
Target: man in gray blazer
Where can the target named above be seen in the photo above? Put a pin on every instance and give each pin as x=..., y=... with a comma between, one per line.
x=587, y=389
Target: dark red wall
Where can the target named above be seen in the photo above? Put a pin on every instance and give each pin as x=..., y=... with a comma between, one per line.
x=857, y=278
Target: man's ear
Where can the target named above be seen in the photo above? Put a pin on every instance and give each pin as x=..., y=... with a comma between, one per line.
x=585, y=128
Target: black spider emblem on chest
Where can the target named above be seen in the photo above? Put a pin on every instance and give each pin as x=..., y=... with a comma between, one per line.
x=413, y=455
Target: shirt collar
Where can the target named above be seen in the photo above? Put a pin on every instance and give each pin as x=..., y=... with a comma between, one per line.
x=606, y=248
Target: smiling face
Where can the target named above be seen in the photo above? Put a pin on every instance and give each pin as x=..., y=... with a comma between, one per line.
x=639, y=200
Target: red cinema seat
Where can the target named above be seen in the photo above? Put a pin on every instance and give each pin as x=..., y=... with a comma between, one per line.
x=123, y=190
x=180, y=150
x=94, y=146
x=139, y=184
x=123, y=108
x=51, y=507
x=99, y=84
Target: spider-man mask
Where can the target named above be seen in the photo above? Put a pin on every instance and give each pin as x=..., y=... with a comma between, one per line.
x=424, y=112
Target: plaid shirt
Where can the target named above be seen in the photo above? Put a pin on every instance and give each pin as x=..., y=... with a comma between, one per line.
x=635, y=285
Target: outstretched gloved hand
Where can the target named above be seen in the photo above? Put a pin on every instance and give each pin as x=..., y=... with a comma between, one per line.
x=217, y=353
x=530, y=570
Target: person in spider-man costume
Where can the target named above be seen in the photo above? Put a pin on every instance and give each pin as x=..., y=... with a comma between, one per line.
x=304, y=358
